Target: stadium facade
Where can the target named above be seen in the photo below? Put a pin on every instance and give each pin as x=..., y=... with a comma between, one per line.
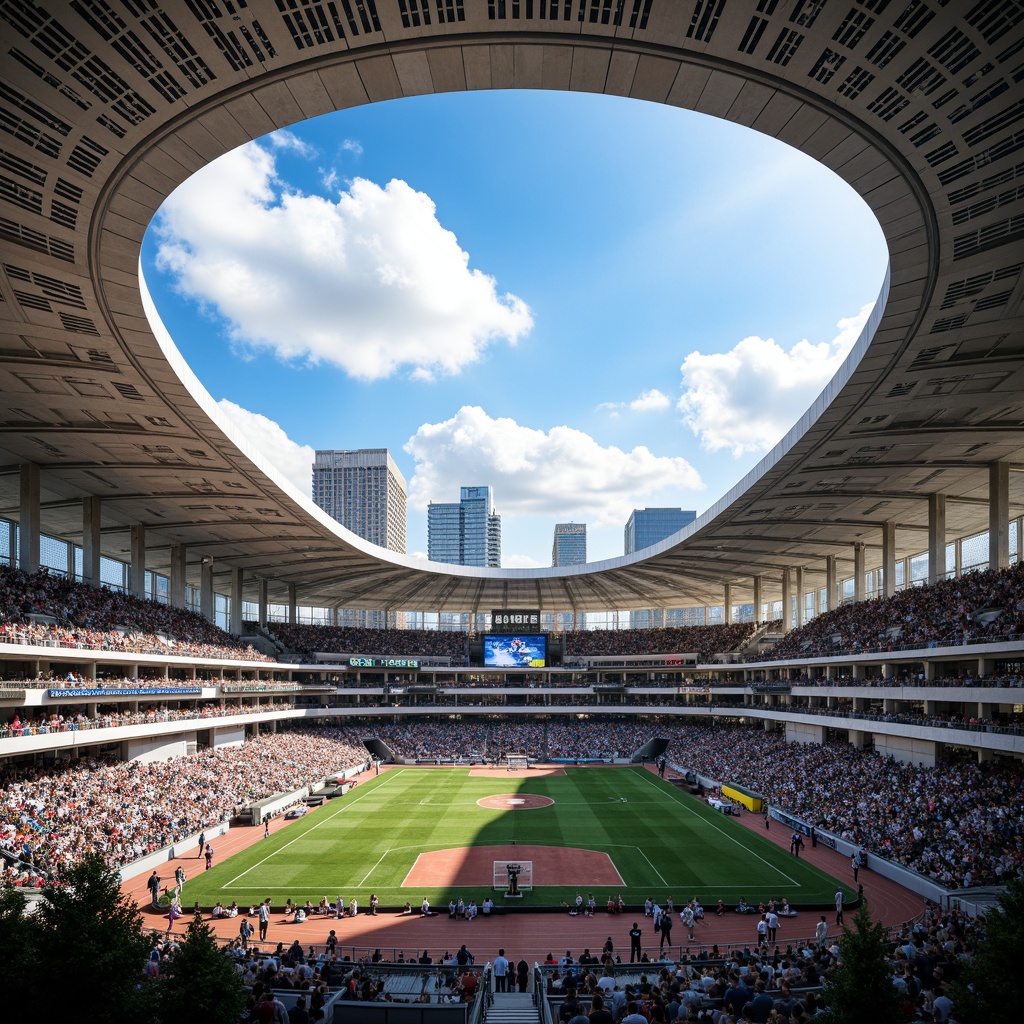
x=111, y=446
x=111, y=441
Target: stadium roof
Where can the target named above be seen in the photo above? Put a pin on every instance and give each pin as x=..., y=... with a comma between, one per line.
x=110, y=104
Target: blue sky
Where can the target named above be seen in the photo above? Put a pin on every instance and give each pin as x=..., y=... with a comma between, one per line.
x=591, y=304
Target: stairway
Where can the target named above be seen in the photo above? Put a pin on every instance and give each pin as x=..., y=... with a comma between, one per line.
x=512, y=1008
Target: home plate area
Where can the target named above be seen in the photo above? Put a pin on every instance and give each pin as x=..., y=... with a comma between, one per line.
x=474, y=866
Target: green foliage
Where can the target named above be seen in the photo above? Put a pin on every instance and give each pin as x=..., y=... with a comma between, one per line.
x=988, y=992
x=861, y=988
x=200, y=984
x=91, y=937
x=14, y=938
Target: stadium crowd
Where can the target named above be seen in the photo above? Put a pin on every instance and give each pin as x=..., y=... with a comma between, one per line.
x=763, y=984
x=306, y=640
x=705, y=641
x=51, y=816
x=973, y=608
x=43, y=724
x=102, y=619
x=961, y=822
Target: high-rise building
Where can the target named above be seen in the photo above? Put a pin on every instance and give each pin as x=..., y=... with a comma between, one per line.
x=569, y=547
x=646, y=526
x=468, y=533
x=365, y=491
x=570, y=544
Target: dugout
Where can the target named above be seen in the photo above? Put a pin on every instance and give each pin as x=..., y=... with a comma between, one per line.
x=650, y=751
x=749, y=798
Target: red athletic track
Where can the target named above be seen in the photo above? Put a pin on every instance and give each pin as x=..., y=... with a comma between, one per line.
x=528, y=935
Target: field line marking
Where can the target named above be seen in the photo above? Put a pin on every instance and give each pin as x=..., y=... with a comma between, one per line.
x=410, y=871
x=721, y=831
x=374, y=868
x=648, y=859
x=322, y=821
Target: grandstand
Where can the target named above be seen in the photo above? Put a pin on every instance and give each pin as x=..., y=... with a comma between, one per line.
x=884, y=534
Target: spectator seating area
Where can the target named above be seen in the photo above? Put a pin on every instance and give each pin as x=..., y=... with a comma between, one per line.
x=306, y=640
x=974, y=608
x=960, y=823
x=107, y=620
x=705, y=641
x=51, y=816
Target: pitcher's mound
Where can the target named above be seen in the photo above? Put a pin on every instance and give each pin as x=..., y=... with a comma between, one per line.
x=515, y=802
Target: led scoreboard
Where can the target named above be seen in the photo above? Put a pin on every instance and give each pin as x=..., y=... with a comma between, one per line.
x=407, y=663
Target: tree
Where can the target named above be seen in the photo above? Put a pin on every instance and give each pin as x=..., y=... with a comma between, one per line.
x=860, y=988
x=14, y=938
x=200, y=984
x=90, y=936
x=989, y=989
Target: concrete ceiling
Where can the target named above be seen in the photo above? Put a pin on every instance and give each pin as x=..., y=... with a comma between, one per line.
x=107, y=105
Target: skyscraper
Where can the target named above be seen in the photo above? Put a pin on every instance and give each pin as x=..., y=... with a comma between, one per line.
x=468, y=533
x=570, y=544
x=646, y=526
x=569, y=547
x=365, y=491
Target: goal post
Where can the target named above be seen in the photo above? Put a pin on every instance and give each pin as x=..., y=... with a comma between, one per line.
x=523, y=870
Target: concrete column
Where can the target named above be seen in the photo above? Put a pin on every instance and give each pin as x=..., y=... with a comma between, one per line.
x=176, y=588
x=936, y=537
x=137, y=566
x=263, y=599
x=758, y=601
x=801, y=597
x=859, y=571
x=292, y=604
x=787, y=602
x=206, y=588
x=856, y=739
x=727, y=607
x=830, y=583
x=235, y=615
x=998, y=515
x=91, y=514
x=334, y=616
x=888, y=559
x=28, y=526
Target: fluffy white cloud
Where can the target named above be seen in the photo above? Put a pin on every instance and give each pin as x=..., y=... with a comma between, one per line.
x=285, y=139
x=560, y=472
x=294, y=461
x=650, y=400
x=746, y=399
x=371, y=282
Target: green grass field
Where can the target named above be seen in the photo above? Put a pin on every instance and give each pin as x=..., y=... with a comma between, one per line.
x=662, y=842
